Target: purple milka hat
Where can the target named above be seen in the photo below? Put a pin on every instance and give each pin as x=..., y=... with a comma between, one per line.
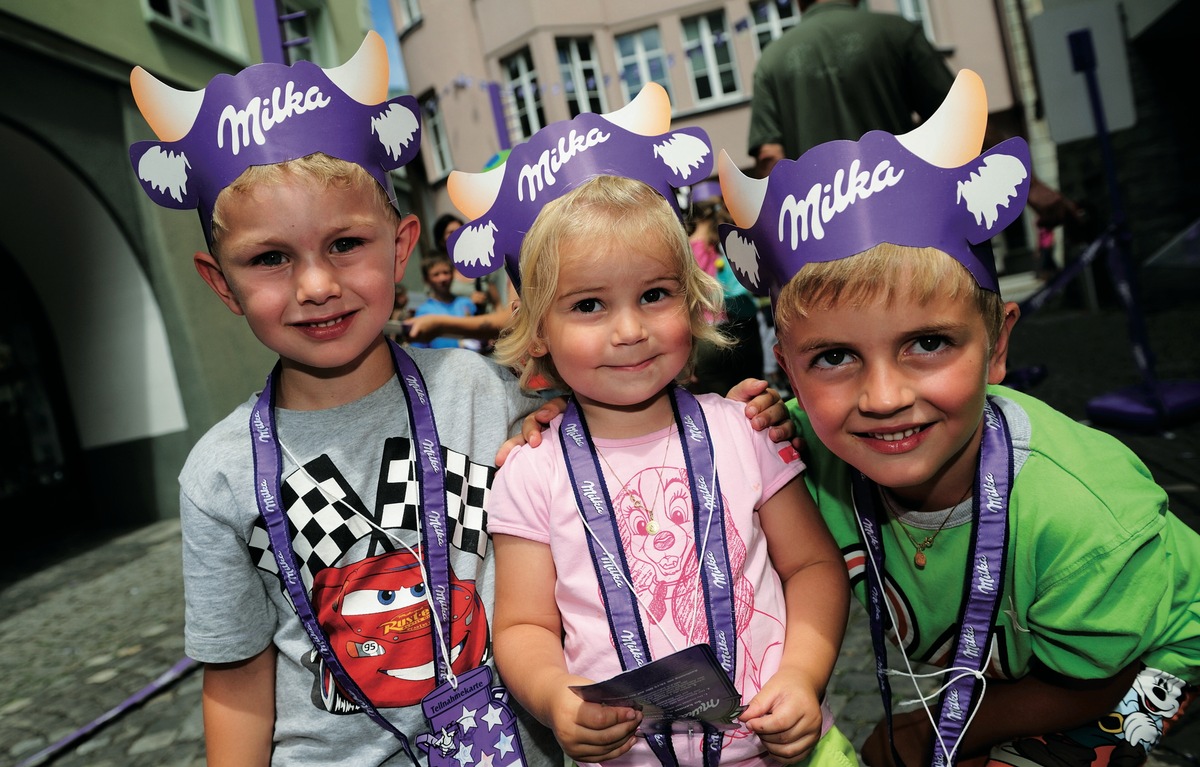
x=635, y=142
x=927, y=188
x=267, y=114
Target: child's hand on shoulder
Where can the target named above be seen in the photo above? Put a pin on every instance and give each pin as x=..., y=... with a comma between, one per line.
x=532, y=427
x=786, y=716
x=766, y=410
x=591, y=732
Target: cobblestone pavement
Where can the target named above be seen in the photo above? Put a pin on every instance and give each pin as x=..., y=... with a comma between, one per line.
x=80, y=636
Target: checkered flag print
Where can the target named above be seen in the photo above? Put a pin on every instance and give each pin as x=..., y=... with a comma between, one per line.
x=326, y=518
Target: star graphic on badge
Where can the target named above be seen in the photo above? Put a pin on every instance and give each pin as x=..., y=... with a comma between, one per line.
x=504, y=744
x=463, y=756
x=492, y=717
x=467, y=720
x=485, y=759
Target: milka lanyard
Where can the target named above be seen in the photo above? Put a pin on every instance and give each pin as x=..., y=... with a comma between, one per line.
x=708, y=521
x=435, y=549
x=978, y=614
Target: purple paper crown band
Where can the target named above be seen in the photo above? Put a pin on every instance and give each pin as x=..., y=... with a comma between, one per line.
x=267, y=114
x=844, y=197
x=635, y=142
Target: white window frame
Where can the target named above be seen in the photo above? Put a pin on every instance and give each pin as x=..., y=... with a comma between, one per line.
x=522, y=87
x=577, y=71
x=917, y=11
x=642, y=60
x=774, y=25
x=433, y=131
x=224, y=32
x=179, y=11
x=703, y=48
x=314, y=28
x=408, y=13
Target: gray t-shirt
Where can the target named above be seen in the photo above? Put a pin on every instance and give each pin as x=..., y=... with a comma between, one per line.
x=358, y=464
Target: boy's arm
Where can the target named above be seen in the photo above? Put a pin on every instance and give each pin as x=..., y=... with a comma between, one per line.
x=764, y=407
x=238, y=700
x=527, y=630
x=786, y=712
x=1040, y=702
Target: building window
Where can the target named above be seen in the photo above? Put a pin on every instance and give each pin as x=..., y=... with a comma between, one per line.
x=433, y=129
x=521, y=82
x=641, y=59
x=771, y=18
x=193, y=15
x=709, y=48
x=297, y=27
x=581, y=76
x=410, y=13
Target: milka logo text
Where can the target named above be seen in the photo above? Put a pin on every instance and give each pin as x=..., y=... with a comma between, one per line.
x=706, y=494
x=414, y=383
x=613, y=570
x=252, y=123
x=983, y=576
x=588, y=490
x=572, y=431
x=264, y=431
x=824, y=201
x=633, y=647
x=970, y=646
x=429, y=450
x=539, y=176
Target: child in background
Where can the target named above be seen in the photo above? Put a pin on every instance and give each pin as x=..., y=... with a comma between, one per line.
x=612, y=303
x=438, y=272
x=1032, y=558
x=401, y=313
x=717, y=367
x=322, y=518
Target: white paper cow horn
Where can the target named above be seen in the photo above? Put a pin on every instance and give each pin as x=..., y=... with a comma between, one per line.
x=953, y=135
x=649, y=114
x=364, y=77
x=475, y=193
x=743, y=195
x=169, y=111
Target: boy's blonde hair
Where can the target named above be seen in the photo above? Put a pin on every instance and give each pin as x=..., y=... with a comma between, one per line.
x=317, y=168
x=625, y=213
x=888, y=272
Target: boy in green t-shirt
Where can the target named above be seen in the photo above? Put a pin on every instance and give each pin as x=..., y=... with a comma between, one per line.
x=1031, y=557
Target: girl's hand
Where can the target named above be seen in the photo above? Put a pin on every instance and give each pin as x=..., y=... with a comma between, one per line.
x=590, y=732
x=786, y=716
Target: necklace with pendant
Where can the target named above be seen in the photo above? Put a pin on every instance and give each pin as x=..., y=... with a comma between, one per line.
x=652, y=526
x=919, y=558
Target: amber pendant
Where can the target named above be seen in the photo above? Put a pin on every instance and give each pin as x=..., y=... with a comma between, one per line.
x=919, y=559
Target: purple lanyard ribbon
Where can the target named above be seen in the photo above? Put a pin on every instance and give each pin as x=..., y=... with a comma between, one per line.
x=978, y=615
x=435, y=548
x=708, y=520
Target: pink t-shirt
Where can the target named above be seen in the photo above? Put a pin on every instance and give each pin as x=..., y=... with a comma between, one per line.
x=532, y=498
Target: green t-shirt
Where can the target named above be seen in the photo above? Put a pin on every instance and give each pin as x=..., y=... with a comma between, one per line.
x=1099, y=572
